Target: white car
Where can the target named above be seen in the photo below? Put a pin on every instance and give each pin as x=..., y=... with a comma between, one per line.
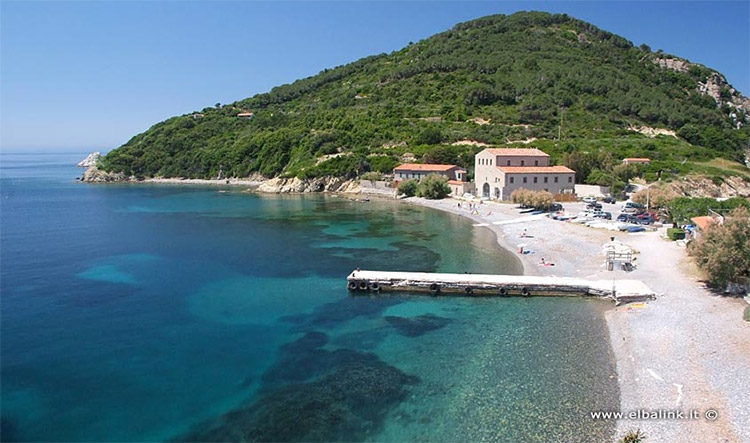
x=589, y=199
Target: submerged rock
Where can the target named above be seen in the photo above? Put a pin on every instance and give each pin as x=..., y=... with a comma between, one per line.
x=414, y=327
x=348, y=404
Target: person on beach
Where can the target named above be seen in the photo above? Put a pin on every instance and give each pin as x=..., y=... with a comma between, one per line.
x=523, y=233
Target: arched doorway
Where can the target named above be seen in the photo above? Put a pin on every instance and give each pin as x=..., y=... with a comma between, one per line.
x=497, y=193
x=486, y=190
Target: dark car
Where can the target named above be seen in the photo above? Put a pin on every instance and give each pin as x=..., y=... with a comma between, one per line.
x=554, y=207
x=609, y=200
x=604, y=215
x=645, y=220
x=596, y=206
x=628, y=218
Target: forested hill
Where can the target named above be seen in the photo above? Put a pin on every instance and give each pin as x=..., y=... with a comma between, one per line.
x=576, y=91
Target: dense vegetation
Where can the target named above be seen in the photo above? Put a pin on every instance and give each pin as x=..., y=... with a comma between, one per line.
x=680, y=209
x=724, y=251
x=573, y=87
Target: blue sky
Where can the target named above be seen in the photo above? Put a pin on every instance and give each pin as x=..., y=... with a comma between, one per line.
x=79, y=76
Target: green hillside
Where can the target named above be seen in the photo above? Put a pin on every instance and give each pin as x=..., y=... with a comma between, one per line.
x=574, y=88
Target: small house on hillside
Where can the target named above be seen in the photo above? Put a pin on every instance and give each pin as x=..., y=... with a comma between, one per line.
x=247, y=115
x=636, y=161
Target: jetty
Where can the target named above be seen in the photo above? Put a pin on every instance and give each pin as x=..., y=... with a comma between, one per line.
x=620, y=291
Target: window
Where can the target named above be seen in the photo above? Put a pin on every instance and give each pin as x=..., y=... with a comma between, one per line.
x=545, y=180
x=511, y=179
x=534, y=179
x=536, y=162
x=555, y=179
x=508, y=162
x=523, y=162
x=524, y=179
x=490, y=160
x=570, y=179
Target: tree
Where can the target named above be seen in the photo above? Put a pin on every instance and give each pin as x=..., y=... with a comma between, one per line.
x=433, y=187
x=723, y=251
x=657, y=197
x=429, y=136
x=407, y=188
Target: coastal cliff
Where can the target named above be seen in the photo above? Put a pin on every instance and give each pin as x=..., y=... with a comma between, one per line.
x=96, y=175
x=296, y=185
x=275, y=185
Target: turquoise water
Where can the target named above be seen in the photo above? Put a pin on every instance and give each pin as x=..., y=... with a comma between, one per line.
x=136, y=312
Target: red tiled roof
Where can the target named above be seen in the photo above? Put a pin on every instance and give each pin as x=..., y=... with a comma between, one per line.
x=518, y=152
x=535, y=169
x=637, y=159
x=456, y=182
x=702, y=222
x=424, y=167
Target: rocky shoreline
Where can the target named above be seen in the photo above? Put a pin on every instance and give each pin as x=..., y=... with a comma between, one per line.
x=276, y=185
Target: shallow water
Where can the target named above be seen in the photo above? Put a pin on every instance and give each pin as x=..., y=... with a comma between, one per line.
x=136, y=312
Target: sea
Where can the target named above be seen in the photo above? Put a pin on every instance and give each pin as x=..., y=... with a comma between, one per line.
x=136, y=312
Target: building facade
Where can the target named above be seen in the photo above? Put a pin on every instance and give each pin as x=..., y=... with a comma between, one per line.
x=456, y=175
x=421, y=170
x=499, y=172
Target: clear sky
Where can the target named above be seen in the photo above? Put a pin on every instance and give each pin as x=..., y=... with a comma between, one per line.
x=87, y=75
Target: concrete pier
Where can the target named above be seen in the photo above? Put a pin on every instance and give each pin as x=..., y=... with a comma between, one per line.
x=620, y=291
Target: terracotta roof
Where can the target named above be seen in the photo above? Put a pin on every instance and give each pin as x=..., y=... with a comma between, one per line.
x=518, y=152
x=456, y=182
x=702, y=222
x=637, y=159
x=424, y=167
x=245, y=114
x=535, y=169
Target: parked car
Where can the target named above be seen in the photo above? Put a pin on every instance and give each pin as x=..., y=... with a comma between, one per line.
x=647, y=220
x=554, y=207
x=589, y=199
x=628, y=218
x=595, y=206
x=604, y=215
x=609, y=199
x=633, y=205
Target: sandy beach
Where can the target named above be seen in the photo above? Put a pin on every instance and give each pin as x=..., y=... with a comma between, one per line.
x=687, y=352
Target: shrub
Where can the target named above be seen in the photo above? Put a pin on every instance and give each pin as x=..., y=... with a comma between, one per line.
x=636, y=436
x=723, y=251
x=433, y=187
x=675, y=234
x=520, y=196
x=746, y=314
x=407, y=188
x=372, y=176
x=536, y=199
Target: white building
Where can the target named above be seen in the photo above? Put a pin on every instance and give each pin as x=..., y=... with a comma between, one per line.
x=499, y=172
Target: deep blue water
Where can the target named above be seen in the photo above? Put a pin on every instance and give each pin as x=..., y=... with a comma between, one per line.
x=137, y=312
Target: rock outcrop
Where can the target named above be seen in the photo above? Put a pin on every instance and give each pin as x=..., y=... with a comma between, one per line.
x=90, y=160
x=698, y=186
x=94, y=175
x=296, y=185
